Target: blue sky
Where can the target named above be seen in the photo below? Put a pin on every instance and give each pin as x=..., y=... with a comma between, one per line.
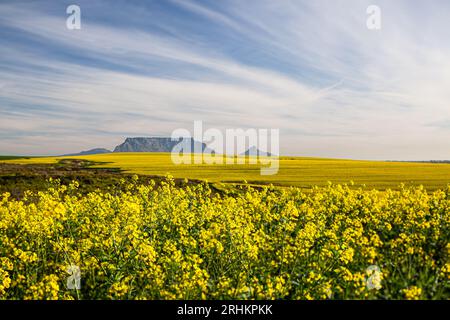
x=309, y=68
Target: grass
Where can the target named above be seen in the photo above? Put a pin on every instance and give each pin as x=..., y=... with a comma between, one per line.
x=294, y=171
x=12, y=157
x=16, y=179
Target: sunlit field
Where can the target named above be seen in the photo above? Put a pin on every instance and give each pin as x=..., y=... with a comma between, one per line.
x=293, y=171
x=188, y=243
x=140, y=234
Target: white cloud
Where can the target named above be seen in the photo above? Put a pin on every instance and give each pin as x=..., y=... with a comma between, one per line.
x=342, y=91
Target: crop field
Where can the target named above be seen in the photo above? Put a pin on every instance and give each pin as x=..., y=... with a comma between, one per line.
x=293, y=171
x=134, y=234
x=168, y=242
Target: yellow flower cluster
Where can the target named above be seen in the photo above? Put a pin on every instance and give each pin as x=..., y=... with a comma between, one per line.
x=412, y=293
x=190, y=242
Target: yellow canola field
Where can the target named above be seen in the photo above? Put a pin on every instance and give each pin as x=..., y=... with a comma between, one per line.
x=168, y=242
x=293, y=171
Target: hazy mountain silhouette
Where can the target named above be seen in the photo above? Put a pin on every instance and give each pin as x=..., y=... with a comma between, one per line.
x=89, y=152
x=254, y=151
x=155, y=144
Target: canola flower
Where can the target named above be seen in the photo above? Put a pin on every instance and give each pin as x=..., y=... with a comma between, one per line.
x=168, y=242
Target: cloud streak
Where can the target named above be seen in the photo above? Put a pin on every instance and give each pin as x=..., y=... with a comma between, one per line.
x=312, y=69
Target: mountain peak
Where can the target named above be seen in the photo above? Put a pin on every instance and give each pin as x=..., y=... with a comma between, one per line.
x=89, y=152
x=254, y=151
x=153, y=144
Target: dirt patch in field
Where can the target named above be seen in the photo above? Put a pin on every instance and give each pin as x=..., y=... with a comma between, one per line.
x=17, y=178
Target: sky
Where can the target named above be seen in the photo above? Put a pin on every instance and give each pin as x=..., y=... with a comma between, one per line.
x=312, y=69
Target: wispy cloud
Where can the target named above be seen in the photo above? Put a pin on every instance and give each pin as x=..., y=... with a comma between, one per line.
x=312, y=69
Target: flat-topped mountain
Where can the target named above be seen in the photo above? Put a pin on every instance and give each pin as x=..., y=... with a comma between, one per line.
x=161, y=144
x=154, y=144
x=89, y=152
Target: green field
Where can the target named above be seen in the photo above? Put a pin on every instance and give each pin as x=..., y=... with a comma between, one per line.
x=12, y=157
x=293, y=171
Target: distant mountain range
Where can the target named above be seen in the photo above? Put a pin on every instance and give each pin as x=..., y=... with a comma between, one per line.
x=88, y=152
x=154, y=144
x=141, y=144
x=253, y=151
x=159, y=144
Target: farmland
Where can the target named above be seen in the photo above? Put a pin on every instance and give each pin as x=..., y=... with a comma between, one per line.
x=167, y=242
x=294, y=171
x=134, y=234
